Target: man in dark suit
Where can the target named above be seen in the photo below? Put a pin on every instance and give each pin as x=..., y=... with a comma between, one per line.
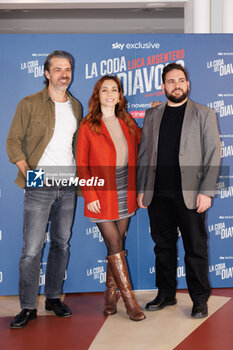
x=178, y=165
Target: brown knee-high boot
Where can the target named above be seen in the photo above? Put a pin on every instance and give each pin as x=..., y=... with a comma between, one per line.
x=110, y=294
x=120, y=272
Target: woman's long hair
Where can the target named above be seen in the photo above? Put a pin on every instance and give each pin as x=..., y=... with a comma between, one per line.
x=94, y=116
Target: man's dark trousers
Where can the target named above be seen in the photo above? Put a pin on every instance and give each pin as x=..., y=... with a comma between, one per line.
x=166, y=215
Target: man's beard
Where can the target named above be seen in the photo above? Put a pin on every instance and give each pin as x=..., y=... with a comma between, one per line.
x=175, y=99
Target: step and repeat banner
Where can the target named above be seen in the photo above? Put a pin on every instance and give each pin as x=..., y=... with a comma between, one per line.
x=138, y=60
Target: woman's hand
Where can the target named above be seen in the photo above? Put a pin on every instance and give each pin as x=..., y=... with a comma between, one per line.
x=155, y=104
x=94, y=206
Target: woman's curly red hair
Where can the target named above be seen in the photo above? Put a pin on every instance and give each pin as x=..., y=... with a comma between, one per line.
x=94, y=116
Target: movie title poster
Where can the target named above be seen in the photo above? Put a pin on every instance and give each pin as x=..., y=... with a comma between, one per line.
x=138, y=60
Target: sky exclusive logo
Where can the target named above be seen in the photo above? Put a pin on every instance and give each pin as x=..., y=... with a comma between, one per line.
x=135, y=46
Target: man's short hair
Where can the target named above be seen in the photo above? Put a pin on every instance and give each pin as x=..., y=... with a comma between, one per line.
x=58, y=54
x=172, y=66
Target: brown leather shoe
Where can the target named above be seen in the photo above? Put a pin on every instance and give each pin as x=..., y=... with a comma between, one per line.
x=110, y=294
x=120, y=272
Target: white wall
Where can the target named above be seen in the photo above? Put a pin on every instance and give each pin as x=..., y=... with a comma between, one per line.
x=130, y=16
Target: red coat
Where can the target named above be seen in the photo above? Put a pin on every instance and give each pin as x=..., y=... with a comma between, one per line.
x=96, y=157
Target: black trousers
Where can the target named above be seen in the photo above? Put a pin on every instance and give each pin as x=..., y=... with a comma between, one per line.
x=166, y=215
